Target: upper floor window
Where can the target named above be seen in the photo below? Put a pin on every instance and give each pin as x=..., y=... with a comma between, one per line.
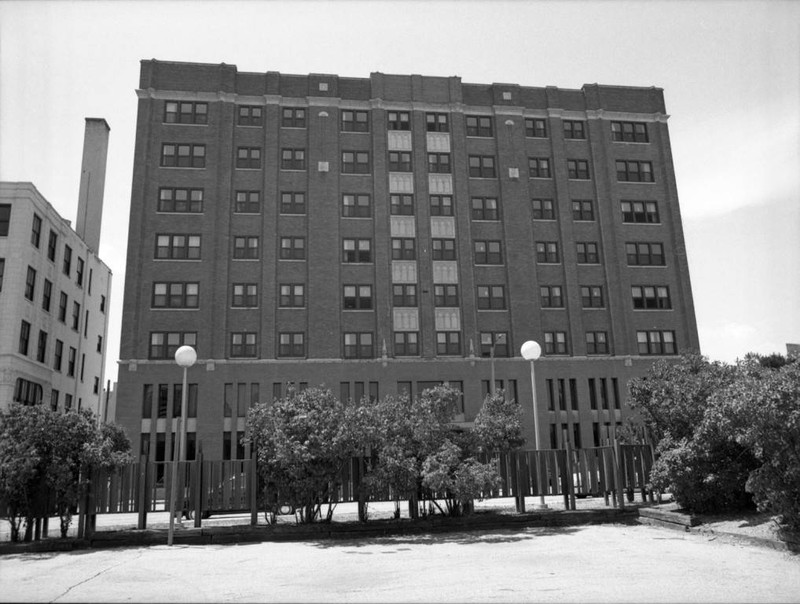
x=437, y=122
x=539, y=167
x=443, y=249
x=439, y=163
x=399, y=120
x=292, y=248
x=174, y=155
x=491, y=297
x=243, y=344
x=445, y=295
x=293, y=117
x=644, y=254
x=651, y=297
x=551, y=296
x=244, y=295
x=247, y=202
x=177, y=247
x=587, y=252
x=5, y=218
x=535, y=127
x=543, y=209
x=555, y=342
x=185, y=112
x=592, y=296
x=293, y=202
x=482, y=166
x=494, y=343
x=24, y=337
x=357, y=297
x=292, y=295
x=488, y=252
x=355, y=162
x=400, y=161
x=293, y=159
x=52, y=242
x=79, y=272
x=404, y=294
x=547, y=252
x=574, y=129
x=441, y=205
x=181, y=200
x=36, y=231
x=629, y=132
x=248, y=158
x=30, y=283
x=67, y=268
x=401, y=205
x=406, y=343
x=582, y=209
x=356, y=205
x=358, y=345
x=634, y=171
x=404, y=248
x=448, y=343
x=640, y=212
x=578, y=169
x=485, y=208
x=355, y=121
x=47, y=294
x=656, y=342
x=291, y=344
x=176, y=295
x=356, y=250
x=479, y=125
x=245, y=248
x=164, y=344
x=250, y=115
x=596, y=342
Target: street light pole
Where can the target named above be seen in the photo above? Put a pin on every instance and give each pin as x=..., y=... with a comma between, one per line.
x=185, y=356
x=531, y=351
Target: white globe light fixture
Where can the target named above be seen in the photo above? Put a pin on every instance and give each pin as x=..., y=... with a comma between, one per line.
x=531, y=351
x=185, y=357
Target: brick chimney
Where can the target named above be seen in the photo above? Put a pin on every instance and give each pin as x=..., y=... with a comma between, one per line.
x=93, y=181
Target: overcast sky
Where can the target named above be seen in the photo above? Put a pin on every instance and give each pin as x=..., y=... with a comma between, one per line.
x=730, y=73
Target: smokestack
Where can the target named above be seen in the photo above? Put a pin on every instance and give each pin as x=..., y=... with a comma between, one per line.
x=93, y=182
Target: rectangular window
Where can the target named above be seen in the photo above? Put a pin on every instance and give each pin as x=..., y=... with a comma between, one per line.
x=482, y=166
x=293, y=202
x=179, y=200
x=250, y=115
x=291, y=344
x=79, y=272
x=494, y=343
x=102, y=304
x=404, y=248
x=539, y=167
x=293, y=117
x=634, y=171
x=543, y=209
x=292, y=295
x=404, y=295
x=62, y=308
x=485, y=208
x=177, y=247
x=99, y=347
x=356, y=205
x=644, y=254
x=479, y=125
x=640, y=212
x=441, y=205
x=592, y=296
x=574, y=129
x=76, y=316
x=54, y=394
x=406, y=343
x=245, y=248
x=437, y=122
x=357, y=297
x=47, y=295
x=439, y=163
x=535, y=127
x=445, y=295
x=358, y=345
x=41, y=349
x=248, y=158
x=292, y=248
x=30, y=283
x=547, y=252
x=596, y=342
x=71, y=358
x=52, y=242
x=443, y=249
x=355, y=162
x=36, y=231
x=573, y=396
x=175, y=295
x=185, y=112
x=651, y=297
x=448, y=343
x=555, y=342
x=355, y=121
x=243, y=345
x=184, y=155
x=587, y=252
x=656, y=342
x=24, y=337
x=5, y=219
x=247, y=202
x=629, y=132
x=491, y=297
x=67, y=268
x=293, y=159
x=244, y=295
x=551, y=296
x=356, y=250
x=400, y=161
x=488, y=252
x=399, y=120
x=578, y=169
x=164, y=344
x=401, y=205
x=582, y=209
x=2, y=271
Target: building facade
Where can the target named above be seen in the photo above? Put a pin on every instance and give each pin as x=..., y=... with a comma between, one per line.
x=54, y=292
x=384, y=234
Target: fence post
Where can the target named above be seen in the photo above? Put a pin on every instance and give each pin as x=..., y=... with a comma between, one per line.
x=141, y=493
x=519, y=494
x=198, y=487
x=570, y=474
x=618, y=469
x=253, y=484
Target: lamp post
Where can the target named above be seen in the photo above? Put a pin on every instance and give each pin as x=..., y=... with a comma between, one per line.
x=185, y=357
x=531, y=351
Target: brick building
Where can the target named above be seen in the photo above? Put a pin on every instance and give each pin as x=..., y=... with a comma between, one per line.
x=382, y=234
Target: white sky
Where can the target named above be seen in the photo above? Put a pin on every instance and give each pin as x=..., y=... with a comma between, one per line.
x=730, y=73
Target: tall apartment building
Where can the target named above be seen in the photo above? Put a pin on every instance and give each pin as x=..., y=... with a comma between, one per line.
x=384, y=234
x=54, y=291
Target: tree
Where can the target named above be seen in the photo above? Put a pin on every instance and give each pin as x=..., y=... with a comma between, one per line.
x=498, y=425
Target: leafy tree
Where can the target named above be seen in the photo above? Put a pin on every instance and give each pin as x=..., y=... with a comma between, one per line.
x=498, y=425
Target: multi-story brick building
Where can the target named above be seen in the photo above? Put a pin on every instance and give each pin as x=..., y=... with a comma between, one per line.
x=383, y=234
x=54, y=291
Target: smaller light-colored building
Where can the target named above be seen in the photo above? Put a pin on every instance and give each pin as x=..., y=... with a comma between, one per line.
x=54, y=291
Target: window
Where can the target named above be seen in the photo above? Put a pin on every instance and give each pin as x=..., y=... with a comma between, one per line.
x=357, y=297
x=555, y=342
x=250, y=115
x=437, y=122
x=644, y=254
x=76, y=316
x=443, y=249
x=177, y=247
x=645, y=212
x=547, y=252
x=629, y=132
x=479, y=125
x=539, y=167
x=5, y=219
x=543, y=209
x=482, y=166
x=592, y=296
x=293, y=159
x=404, y=294
x=24, y=337
x=574, y=129
x=293, y=203
x=356, y=250
x=71, y=357
x=62, y=308
x=358, y=345
x=578, y=169
x=494, y=343
x=293, y=117
x=441, y=205
x=582, y=209
x=399, y=161
x=245, y=248
x=67, y=268
x=439, y=163
x=651, y=297
x=292, y=295
x=248, y=158
x=291, y=344
x=54, y=394
x=406, y=343
x=188, y=201
x=596, y=342
x=27, y=392
x=401, y=205
x=445, y=295
x=656, y=342
x=47, y=294
x=247, y=202
x=356, y=206
x=355, y=121
x=41, y=349
x=58, y=355
x=491, y=297
x=102, y=304
x=164, y=344
x=292, y=248
x=79, y=272
x=245, y=295
x=185, y=112
x=51, y=246
x=243, y=344
x=174, y=155
x=634, y=171
x=36, y=231
x=30, y=284
x=355, y=162
x=587, y=252
x=399, y=120
x=551, y=296
x=68, y=402
x=448, y=343
x=485, y=208
x=488, y=252
x=99, y=347
x=535, y=127
x=2, y=271
x=404, y=248
x=176, y=295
